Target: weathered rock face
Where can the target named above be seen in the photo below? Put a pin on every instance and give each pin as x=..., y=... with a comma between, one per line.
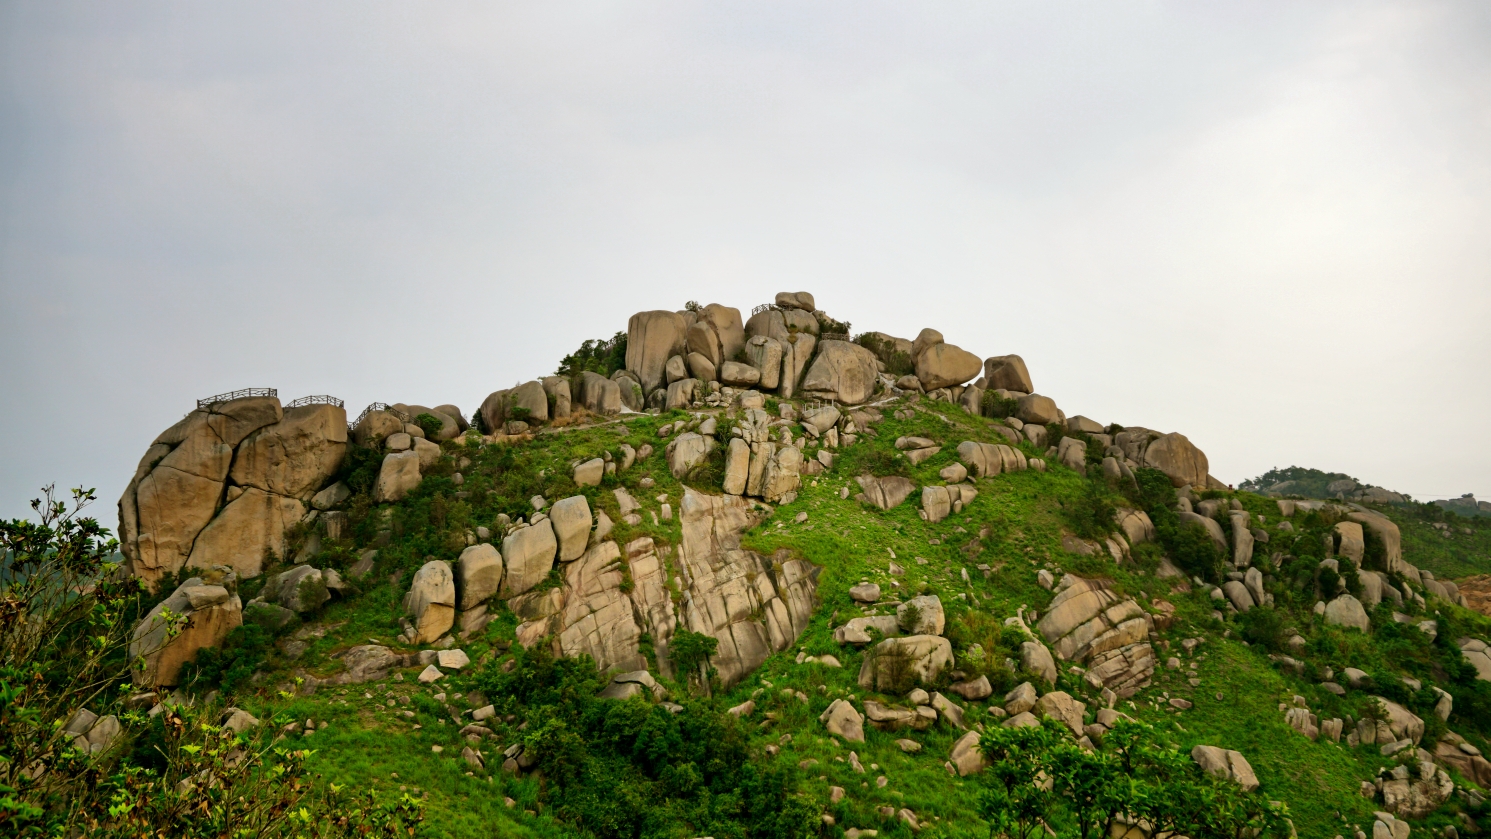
x=886, y=492
x=599, y=394
x=397, y=477
x=1087, y=622
x=843, y=371
x=295, y=456
x=1007, y=372
x=1347, y=611
x=1035, y=409
x=687, y=451
x=529, y=554
x=945, y=365
x=765, y=354
x=1182, y=462
x=210, y=612
x=179, y=484
x=431, y=601
x=750, y=604
x=897, y=664
x=651, y=339
x=478, y=575
x=1478, y=653
x=247, y=530
x=985, y=460
x=797, y=351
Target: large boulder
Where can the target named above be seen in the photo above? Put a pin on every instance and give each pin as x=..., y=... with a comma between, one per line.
x=1347, y=611
x=681, y=394
x=728, y=331
x=251, y=527
x=738, y=374
x=842, y=720
x=967, y=756
x=687, y=451
x=1181, y=461
x=528, y=402
x=208, y=613
x=886, y=492
x=478, y=575
x=599, y=394
x=926, y=338
x=651, y=339
x=797, y=351
x=179, y=483
x=1350, y=541
x=1034, y=409
x=1226, y=763
x=944, y=365
x=295, y=456
x=897, y=664
x=764, y=353
x=795, y=300
x=529, y=554
x=1087, y=621
x=1007, y=372
x=375, y=426
x=843, y=371
x=921, y=615
x=431, y=601
x=571, y=518
x=781, y=473
x=301, y=589
x=397, y=477
x=632, y=395
x=737, y=466
x=1213, y=529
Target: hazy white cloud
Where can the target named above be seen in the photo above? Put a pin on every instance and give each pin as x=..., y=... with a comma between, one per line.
x=1260, y=224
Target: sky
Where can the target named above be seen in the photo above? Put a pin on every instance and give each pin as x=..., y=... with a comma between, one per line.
x=1264, y=225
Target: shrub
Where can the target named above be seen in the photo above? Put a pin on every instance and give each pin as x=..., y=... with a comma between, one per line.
x=994, y=406
x=430, y=424
x=1264, y=628
x=596, y=356
x=232, y=663
x=1092, y=513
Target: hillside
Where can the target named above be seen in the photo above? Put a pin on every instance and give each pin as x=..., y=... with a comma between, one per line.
x=756, y=579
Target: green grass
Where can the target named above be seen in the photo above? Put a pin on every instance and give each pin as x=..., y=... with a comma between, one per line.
x=1014, y=527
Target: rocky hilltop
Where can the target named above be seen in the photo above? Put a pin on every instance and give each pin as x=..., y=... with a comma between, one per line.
x=853, y=550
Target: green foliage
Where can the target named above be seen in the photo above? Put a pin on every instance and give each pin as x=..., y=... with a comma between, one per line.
x=896, y=363
x=232, y=663
x=430, y=424
x=1092, y=514
x=688, y=650
x=1187, y=544
x=596, y=356
x=1038, y=776
x=625, y=769
x=359, y=469
x=827, y=324
x=995, y=406
x=1265, y=628
x=1296, y=480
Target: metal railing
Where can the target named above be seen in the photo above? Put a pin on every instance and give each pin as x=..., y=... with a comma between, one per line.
x=320, y=399
x=377, y=406
x=764, y=307
x=246, y=393
x=833, y=336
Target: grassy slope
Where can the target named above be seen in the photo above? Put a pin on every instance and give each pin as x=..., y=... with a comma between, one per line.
x=367, y=742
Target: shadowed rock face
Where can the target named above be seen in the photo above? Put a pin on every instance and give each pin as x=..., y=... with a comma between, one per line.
x=208, y=612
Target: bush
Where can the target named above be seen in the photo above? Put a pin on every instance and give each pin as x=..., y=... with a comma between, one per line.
x=1092, y=513
x=430, y=424
x=232, y=663
x=1264, y=628
x=896, y=363
x=598, y=356
x=994, y=406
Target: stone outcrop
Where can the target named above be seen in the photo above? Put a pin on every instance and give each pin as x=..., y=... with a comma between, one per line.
x=1226, y=763
x=208, y=613
x=842, y=371
x=884, y=493
x=1182, y=462
x=985, y=460
x=1347, y=611
x=1087, y=622
x=941, y=365
x=478, y=575
x=651, y=339
x=1007, y=372
x=431, y=601
x=528, y=553
x=301, y=589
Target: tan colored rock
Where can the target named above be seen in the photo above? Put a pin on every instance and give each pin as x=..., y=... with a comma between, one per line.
x=1036, y=410
x=249, y=529
x=210, y=612
x=571, y=519
x=1181, y=461
x=924, y=339
x=599, y=394
x=301, y=589
x=842, y=720
x=1007, y=372
x=652, y=338
x=1226, y=763
x=765, y=354
x=797, y=351
x=945, y=365
x=844, y=371
x=737, y=466
x=431, y=601
x=1346, y=610
x=528, y=553
x=686, y=452
x=700, y=367
x=967, y=756
x=728, y=331
x=295, y=456
x=1136, y=525
x=398, y=476
x=1062, y=707
x=478, y=575
x=375, y=428
x=886, y=492
x=681, y=394
x=598, y=619
x=781, y=474
x=737, y=374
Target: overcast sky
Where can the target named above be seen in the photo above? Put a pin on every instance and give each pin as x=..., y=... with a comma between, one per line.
x=1264, y=225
